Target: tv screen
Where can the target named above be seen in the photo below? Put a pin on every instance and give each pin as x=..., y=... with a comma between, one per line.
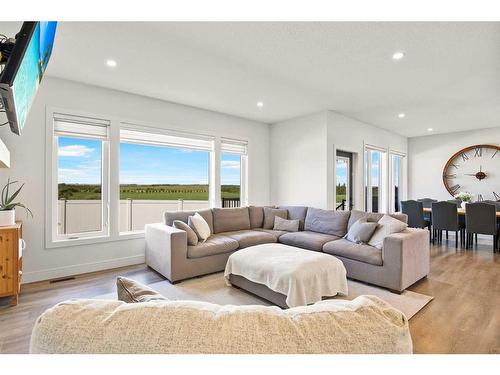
x=24, y=70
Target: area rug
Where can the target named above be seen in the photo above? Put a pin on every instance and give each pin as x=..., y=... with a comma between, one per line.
x=212, y=288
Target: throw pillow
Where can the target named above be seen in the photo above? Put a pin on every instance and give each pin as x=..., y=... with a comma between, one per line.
x=361, y=231
x=270, y=214
x=192, y=237
x=286, y=225
x=386, y=225
x=131, y=291
x=200, y=226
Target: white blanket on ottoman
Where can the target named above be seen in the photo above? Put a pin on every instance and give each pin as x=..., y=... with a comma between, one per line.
x=304, y=276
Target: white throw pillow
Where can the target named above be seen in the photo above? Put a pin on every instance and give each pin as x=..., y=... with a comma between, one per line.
x=386, y=225
x=200, y=226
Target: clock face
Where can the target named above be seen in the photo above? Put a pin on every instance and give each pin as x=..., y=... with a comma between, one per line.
x=476, y=170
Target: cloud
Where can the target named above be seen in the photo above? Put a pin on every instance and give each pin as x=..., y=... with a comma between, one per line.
x=75, y=151
x=230, y=164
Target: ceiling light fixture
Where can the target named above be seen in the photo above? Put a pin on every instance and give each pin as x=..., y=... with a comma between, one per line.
x=398, y=55
x=429, y=129
x=401, y=115
x=260, y=104
x=111, y=63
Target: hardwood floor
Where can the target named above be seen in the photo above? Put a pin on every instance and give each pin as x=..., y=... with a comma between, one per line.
x=464, y=316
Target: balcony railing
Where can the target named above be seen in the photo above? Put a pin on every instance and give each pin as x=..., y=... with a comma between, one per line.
x=230, y=202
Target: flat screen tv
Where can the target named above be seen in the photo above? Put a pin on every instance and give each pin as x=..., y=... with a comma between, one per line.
x=24, y=70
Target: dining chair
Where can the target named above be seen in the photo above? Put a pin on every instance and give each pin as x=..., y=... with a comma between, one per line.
x=495, y=203
x=427, y=202
x=445, y=217
x=415, y=212
x=480, y=218
x=458, y=202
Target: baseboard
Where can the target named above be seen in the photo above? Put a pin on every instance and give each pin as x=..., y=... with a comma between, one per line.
x=54, y=273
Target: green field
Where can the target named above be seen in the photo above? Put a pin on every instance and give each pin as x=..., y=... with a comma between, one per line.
x=146, y=192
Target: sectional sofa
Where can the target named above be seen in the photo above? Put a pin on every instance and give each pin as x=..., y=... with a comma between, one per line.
x=403, y=259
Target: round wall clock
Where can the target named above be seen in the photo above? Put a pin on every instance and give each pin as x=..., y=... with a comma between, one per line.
x=476, y=170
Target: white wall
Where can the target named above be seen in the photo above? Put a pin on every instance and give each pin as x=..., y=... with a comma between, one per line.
x=428, y=156
x=351, y=135
x=303, y=157
x=298, y=161
x=28, y=165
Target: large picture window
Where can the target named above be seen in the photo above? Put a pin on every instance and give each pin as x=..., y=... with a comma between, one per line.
x=375, y=180
x=161, y=173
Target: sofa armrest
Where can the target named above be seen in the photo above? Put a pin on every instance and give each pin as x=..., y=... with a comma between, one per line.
x=165, y=246
x=409, y=252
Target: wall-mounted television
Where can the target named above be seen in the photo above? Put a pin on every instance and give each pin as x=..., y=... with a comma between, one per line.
x=24, y=70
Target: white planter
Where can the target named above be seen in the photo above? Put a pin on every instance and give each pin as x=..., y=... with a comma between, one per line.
x=463, y=205
x=7, y=218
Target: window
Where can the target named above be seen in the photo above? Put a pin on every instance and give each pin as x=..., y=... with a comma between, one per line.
x=343, y=175
x=375, y=177
x=81, y=154
x=159, y=173
x=232, y=168
x=396, y=181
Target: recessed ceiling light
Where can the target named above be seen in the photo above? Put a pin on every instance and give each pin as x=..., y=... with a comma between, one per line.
x=260, y=104
x=398, y=55
x=402, y=115
x=429, y=129
x=111, y=63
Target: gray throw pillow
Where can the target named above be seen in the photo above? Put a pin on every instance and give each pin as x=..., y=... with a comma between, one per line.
x=270, y=214
x=192, y=237
x=361, y=231
x=286, y=225
x=131, y=291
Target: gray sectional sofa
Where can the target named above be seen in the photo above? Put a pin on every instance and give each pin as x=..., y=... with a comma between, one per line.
x=403, y=259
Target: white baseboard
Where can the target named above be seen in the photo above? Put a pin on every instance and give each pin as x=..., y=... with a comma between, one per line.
x=77, y=269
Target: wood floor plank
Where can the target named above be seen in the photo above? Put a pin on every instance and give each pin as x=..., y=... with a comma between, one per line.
x=464, y=316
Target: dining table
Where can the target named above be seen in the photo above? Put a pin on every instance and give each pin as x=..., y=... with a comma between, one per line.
x=460, y=211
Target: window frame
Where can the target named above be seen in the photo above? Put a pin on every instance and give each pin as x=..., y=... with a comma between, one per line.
x=111, y=175
x=383, y=194
x=401, y=175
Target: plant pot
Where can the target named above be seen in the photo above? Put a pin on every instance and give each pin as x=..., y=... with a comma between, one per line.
x=463, y=205
x=7, y=218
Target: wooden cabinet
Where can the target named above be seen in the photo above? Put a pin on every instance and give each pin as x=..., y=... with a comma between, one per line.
x=10, y=262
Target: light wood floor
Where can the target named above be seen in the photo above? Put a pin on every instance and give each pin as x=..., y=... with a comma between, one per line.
x=464, y=316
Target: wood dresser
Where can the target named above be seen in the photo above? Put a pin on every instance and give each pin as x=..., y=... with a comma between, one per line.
x=11, y=261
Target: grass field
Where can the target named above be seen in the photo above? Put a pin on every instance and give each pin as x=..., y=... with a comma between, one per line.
x=146, y=192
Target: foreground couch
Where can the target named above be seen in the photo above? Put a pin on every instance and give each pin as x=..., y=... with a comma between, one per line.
x=403, y=259
x=364, y=325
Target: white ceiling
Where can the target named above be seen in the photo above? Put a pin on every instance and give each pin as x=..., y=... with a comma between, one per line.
x=448, y=81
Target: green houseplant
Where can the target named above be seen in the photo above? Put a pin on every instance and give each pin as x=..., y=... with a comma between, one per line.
x=7, y=204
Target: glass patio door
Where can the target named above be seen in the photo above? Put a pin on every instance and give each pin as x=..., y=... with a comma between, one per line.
x=343, y=189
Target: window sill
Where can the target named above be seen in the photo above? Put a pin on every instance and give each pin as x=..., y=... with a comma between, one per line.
x=93, y=240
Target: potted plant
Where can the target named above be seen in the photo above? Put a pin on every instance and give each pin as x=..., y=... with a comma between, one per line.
x=464, y=197
x=7, y=205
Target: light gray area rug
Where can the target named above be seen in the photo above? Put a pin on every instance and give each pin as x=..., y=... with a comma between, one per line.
x=212, y=288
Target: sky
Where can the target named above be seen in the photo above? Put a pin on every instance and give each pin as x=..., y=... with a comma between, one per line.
x=80, y=163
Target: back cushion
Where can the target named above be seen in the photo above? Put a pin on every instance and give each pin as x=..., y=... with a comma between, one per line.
x=230, y=219
x=327, y=221
x=296, y=213
x=269, y=215
x=170, y=216
x=373, y=217
x=256, y=216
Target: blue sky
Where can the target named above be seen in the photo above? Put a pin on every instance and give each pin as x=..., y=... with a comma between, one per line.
x=80, y=163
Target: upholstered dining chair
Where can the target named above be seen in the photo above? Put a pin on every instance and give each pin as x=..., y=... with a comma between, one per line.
x=445, y=217
x=427, y=202
x=495, y=203
x=480, y=218
x=458, y=202
x=415, y=212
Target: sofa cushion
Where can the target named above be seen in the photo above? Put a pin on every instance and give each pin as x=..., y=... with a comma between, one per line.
x=386, y=226
x=170, y=216
x=248, y=238
x=131, y=291
x=296, y=212
x=361, y=252
x=270, y=214
x=199, y=226
x=361, y=231
x=217, y=244
x=286, y=225
x=373, y=217
x=307, y=239
x=192, y=237
x=275, y=233
x=256, y=216
x=327, y=221
x=231, y=219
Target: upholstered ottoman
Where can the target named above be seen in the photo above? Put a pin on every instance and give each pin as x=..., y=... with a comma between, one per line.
x=286, y=275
